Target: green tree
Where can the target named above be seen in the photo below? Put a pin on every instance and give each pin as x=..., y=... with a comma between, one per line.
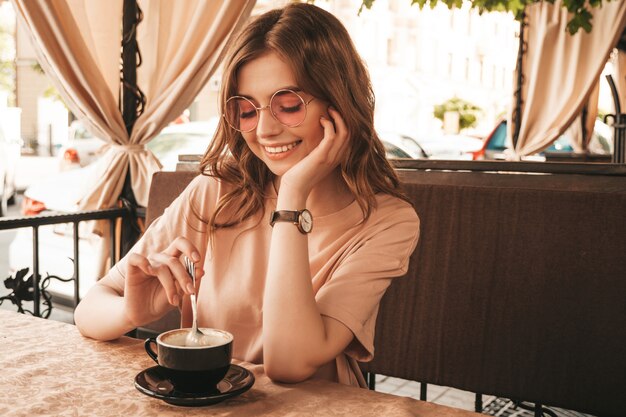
x=468, y=112
x=579, y=9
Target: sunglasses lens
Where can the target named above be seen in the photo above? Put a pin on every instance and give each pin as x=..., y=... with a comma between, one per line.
x=288, y=108
x=241, y=114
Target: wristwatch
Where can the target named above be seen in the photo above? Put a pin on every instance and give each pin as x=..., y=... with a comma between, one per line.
x=301, y=218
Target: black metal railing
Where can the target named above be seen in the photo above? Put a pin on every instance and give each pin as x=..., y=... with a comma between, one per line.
x=33, y=288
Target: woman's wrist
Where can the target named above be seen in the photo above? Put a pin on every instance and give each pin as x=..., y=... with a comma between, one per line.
x=291, y=199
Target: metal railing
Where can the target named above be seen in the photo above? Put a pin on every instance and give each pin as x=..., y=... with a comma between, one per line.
x=33, y=288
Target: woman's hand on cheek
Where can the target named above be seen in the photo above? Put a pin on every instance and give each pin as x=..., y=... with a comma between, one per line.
x=324, y=158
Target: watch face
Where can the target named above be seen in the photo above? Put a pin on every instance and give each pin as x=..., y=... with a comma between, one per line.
x=306, y=221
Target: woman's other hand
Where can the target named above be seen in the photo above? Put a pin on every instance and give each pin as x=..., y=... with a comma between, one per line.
x=322, y=160
x=157, y=283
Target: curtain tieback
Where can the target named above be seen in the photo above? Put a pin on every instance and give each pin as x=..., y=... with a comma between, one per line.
x=127, y=148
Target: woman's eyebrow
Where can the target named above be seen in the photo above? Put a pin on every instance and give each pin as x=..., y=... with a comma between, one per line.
x=290, y=87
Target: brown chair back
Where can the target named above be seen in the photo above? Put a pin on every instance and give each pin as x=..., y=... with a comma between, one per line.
x=517, y=288
x=164, y=189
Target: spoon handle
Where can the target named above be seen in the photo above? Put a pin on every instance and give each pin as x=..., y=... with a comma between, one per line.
x=194, y=309
x=191, y=270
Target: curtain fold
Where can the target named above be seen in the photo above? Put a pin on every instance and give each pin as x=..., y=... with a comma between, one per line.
x=181, y=47
x=560, y=70
x=592, y=113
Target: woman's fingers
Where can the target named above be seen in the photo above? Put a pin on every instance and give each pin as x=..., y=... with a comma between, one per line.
x=343, y=134
x=335, y=137
x=169, y=269
x=140, y=262
x=182, y=246
x=339, y=124
x=167, y=281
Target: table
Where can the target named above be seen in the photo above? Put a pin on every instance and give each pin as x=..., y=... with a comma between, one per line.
x=49, y=368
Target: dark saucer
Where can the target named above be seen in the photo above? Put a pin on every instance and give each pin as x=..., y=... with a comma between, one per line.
x=153, y=382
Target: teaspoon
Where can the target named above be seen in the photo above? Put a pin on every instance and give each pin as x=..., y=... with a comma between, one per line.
x=195, y=337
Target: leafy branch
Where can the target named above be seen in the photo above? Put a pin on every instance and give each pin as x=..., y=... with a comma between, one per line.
x=467, y=111
x=578, y=9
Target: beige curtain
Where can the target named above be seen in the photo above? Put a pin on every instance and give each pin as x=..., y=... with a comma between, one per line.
x=77, y=44
x=580, y=131
x=181, y=45
x=560, y=69
x=592, y=113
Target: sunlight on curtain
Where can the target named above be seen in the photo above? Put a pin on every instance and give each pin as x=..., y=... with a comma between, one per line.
x=181, y=49
x=560, y=70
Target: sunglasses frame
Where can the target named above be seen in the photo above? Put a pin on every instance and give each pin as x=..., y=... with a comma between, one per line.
x=268, y=106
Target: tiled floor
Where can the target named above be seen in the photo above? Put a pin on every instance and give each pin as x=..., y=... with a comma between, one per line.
x=434, y=393
x=465, y=400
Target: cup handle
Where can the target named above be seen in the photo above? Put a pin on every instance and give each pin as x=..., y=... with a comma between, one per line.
x=151, y=352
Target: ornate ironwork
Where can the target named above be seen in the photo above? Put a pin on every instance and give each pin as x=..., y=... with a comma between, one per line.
x=34, y=288
x=23, y=290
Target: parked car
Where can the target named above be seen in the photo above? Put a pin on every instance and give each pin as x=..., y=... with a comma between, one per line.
x=496, y=148
x=191, y=138
x=450, y=147
x=81, y=149
x=61, y=191
x=401, y=146
x=9, y=155
x=393, y=152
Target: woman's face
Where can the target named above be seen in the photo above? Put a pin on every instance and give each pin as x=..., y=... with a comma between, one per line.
x=279, y=146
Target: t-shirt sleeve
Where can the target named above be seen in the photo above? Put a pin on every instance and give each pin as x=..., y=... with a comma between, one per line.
x=186, y=217
x=353, y=292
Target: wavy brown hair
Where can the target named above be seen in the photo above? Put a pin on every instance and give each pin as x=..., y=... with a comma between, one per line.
x=326, y=65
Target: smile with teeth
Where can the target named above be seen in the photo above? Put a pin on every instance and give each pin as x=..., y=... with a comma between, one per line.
x=283, y=148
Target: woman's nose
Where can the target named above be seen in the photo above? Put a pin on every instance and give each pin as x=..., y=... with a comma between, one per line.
x=267, y=124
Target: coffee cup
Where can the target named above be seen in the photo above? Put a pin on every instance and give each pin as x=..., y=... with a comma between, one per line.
x=192, y=368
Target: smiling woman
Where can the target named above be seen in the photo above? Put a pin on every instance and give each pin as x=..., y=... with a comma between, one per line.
x=296, y=223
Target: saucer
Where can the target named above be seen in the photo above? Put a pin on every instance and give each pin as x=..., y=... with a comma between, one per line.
x=153, y=383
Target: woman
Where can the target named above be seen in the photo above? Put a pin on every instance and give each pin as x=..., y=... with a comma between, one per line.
x=297, y=223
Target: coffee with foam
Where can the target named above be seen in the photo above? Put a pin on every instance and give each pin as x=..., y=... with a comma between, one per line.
x=212, y=337
x=192, y=368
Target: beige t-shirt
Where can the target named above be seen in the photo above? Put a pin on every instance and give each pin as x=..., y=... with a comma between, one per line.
x=352, y=263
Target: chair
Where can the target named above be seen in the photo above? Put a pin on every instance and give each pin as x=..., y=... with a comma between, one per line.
x=517, y=289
